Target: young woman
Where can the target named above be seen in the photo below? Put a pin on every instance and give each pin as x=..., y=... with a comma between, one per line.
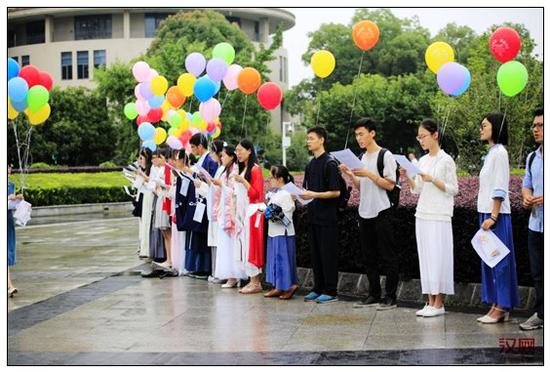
x=281, y=247
x=179, y=161
x=498, y=284
x=250, y=222
x=159, y=219
x=163, y=204
x=437, y=185
x=12, y=196
x=146, y=188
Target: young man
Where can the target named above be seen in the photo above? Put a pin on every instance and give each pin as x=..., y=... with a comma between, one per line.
x=533, y=199
x=321, y=184
x=375, y=215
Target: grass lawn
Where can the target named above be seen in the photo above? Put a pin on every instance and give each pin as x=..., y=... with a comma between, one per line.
x=57, y=180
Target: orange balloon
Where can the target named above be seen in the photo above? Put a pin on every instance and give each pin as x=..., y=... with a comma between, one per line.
x=175, y=97
x=249, y=80
x=365, y=34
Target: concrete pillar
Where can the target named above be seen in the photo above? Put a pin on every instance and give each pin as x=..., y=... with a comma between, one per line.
x=126, y=24
x=48, y=29
x=264, y=29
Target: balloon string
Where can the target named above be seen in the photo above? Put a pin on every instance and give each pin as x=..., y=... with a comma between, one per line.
x=244, y=114
x=226, y=95
x=318, y=108
x=354, y=97
x=26, y=160
x=502, y=123
x=18, y=145
x=190, y=104
x=499, y=97
x=444, y=126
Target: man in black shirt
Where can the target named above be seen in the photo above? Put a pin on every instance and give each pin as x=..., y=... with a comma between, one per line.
x=321, y=184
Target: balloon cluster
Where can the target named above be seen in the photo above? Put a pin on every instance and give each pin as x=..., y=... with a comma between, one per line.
x=512, y=76
x=156, y=101
x=28, y=92
x=453, y=78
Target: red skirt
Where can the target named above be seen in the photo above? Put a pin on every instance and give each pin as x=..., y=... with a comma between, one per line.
x=256, y=243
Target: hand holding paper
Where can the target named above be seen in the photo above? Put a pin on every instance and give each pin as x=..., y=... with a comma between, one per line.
x=412, y=170
x=348, y=158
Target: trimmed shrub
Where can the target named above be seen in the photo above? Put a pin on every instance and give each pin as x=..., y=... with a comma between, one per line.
x=75, y=195
x=107, y=164
x=40, y=165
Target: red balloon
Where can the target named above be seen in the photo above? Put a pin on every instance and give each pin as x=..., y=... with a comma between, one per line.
x=210, y=127
x=269, y=95
x=46, y=80
x=141, y=119
x=185, y=137
x=31, y=75
x=505, y=44
x=154, y=115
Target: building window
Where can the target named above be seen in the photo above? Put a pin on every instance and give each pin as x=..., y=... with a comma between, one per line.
x=66, y=65
x=35, y=32
x=100, y=58
x=152, y=22
x=234, y=20
x=25, y=60
x=256, y=31
x=82, y=64
x=16, y=59
x=11, y=38
x=93, y=27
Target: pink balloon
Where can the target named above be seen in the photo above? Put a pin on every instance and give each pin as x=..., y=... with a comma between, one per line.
x=141, y=71
x=142, y=107
x=210, y=109
x=174, y=142
x=230, y=79
x=188, y=148
x=152, y=74
x=137, y=92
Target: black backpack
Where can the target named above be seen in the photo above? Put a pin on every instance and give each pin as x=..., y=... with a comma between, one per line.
x=530, y=162
x=393, y=195
x=345, y=190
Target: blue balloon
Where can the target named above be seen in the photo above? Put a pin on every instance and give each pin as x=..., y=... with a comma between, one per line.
x=467, y=80
x=13, y=68
x=218, y=85
x=20, y=106
x=204, y=89
x=149, y=144
x=146, y=131
x=17, y=89
x=156, y=101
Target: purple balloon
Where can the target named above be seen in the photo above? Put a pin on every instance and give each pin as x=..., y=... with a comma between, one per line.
x=452, y=78
x=216, y=69
x=145, y=90
x=195, y=63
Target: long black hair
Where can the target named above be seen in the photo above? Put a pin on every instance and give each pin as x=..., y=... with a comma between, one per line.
x=148, y=155
x=180, y=155
x=230, y=151
x=280, y=171
x=499, y=131
x=217, y=147
x=251, y=159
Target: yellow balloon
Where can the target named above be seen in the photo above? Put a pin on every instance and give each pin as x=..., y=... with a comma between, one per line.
x=217, y=133
x=12, y=113
x=165, y=107
x=158, y=85
x=185, y=84
x=438, y=54
x=160, y=135
x=323, y=63
x=40, y=116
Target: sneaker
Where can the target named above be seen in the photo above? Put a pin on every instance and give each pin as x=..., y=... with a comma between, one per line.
x=534, y=322
x=164, y=265
x=218, y=281
x=421, y=311
x=210, y=279
x=369, y=302
x=325, y=299
x=387, y=303
x=311, y=296
x=433, y=311
x=199, y=276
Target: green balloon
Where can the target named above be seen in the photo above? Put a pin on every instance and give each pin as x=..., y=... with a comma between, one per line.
x=512, y=78
x=37, y=97
x=172, y=131
x=175, y=120
x=196, y=118
x=224, y=51
x=130, y=110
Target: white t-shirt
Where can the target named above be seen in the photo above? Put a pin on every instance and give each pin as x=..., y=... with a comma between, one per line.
x=373, y=198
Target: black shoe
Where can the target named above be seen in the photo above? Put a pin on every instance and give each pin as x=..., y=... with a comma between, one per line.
x=371, y=301
x=387, y=303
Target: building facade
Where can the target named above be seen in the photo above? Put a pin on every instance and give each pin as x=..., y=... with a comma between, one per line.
x=70, y=42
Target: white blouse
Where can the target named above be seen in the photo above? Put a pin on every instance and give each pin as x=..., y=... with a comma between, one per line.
x=494, y=180
x=283, y=199
x=434, y=204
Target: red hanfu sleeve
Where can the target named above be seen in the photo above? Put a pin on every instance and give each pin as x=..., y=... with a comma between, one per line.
x=256, y=190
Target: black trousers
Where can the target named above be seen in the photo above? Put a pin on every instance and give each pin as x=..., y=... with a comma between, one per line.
x=536, y=259
x=324, y=258
x=379, y=251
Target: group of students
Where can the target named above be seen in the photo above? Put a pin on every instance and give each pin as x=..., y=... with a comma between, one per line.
x=228, y=241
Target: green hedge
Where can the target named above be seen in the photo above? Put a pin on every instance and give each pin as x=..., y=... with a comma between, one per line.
x=75, y=195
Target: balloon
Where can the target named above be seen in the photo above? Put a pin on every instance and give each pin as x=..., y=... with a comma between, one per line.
x=142, y=107
x=224, y=51
x=269, y=95
x=196, y=118
x=156, y=101
x=154, y=115
x=46, y=80
x=466, y=83
x=322, y=63
x=137, y=93
x=365, y=34
x=174, y=142
x=12, y=112
x=31, y=75
x=438, y=54
x=505, y=44
x=39, y=116
x=230, y=79
x=37, y=96
x=210, y=128
x=210, y=109
x=204, y=89
x=249, y=80
x=452, y=77
x=194, y=63
x=146, y=131
x=13, y=68
x=216, y=133
x=512, y=78
x=175, y=97
x=217, y=85
x=145, y=90
x=141, y=71
x=160, y=136
x=216, y=69
x=21, y=105
x=141, y=119
x=152, y=74
x=175, y=120
x=150, y=144
x=17, y=89
x=158, y=85
x=185, y=84
x=130, y=110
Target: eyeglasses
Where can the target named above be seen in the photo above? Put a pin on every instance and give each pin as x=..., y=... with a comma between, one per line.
x=420, y=138
x=536, y=126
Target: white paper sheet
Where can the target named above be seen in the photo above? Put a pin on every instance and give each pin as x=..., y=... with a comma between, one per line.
x=412, y=170
x=184, y=186
x=22, y=214
x=199, y=212
x=295, y=190
x=12, y=204
x=348, y=158
x=489, y=247
x=203, y=173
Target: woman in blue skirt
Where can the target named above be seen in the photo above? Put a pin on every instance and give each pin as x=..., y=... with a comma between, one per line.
x=12, y=197
x=281, y=246
x=498, y=284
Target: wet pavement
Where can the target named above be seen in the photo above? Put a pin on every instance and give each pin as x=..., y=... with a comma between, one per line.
x=83, y=302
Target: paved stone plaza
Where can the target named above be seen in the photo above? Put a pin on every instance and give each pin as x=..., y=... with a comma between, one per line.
x=82, y=301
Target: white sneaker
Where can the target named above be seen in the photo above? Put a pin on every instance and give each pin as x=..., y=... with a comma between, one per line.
x=433, y=311
x=422, y=311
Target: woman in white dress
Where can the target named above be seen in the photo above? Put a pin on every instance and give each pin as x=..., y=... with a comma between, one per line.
x=437, y=185
x=179, y=162
x=145, y=187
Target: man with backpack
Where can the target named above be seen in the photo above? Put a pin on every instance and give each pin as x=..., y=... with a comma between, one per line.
x=379, y=195
x=322, y=185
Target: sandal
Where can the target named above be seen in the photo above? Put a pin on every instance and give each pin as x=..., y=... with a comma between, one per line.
x=287, y=295
x=273, y=293
x=12, y=291
x=252, y=288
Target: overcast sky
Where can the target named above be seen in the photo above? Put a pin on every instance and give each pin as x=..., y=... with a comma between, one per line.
x=296, y=41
